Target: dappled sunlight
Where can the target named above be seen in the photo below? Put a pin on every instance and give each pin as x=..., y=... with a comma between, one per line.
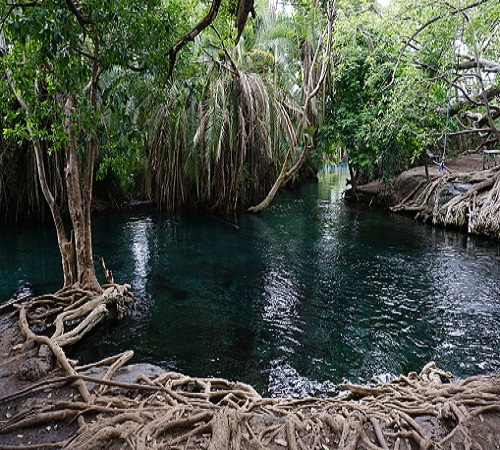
x=285, y=381
x=280, y=309
x=468, y=322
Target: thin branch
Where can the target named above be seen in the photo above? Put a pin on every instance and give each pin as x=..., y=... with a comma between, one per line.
x=474, y=130
x=218, y=62
x=228, y=56
x=487, y=94
x=422, y=28
x=135, y=69
x=4, y=19
x=81, y=52
x=23, y=5
x=82, y=20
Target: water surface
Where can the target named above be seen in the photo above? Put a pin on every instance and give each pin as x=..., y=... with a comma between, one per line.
x=308, y=294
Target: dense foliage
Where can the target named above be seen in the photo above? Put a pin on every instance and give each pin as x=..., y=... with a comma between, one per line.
x=404, y=80
x=406, y=76
x=222, y=136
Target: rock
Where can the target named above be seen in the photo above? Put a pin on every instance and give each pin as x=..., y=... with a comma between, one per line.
x=16, y=339
x=126, y=374
x=33, y=369
x=129, y=373
x=46, y=354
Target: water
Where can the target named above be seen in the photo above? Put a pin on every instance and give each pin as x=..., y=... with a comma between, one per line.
x=309, y=294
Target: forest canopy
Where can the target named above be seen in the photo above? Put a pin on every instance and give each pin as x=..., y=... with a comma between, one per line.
x=217, y=104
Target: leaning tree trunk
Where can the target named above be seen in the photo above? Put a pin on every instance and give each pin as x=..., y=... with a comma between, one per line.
x=311, y=90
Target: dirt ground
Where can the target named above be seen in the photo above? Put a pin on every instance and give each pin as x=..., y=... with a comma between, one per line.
x=468, y=163
x=13, y=352
x=374, y=192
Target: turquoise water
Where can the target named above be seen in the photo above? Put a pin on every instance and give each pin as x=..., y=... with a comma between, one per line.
x=308, y=294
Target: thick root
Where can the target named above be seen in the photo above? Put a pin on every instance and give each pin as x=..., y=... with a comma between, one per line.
x=82, y=307
x=174, y=411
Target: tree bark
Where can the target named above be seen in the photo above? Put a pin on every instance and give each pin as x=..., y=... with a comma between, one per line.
x=485, y=65
x=88, y=276
x=245, y=7
x=78, y=211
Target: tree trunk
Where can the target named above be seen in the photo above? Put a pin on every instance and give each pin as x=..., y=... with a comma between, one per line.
x=79, y=182
x=78, y=210
x=352, y=173
x=264, y=204
x=65, y=245
x=88, y=276
x=311, y=92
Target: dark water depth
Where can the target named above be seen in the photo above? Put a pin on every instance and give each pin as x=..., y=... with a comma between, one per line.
x=309, y=294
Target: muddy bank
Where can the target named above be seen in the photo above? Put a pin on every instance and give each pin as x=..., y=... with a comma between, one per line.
x=463, y=196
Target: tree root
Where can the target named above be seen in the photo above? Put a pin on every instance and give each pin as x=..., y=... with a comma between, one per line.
x=477, y=210
x=174, y=411
x=188, y=420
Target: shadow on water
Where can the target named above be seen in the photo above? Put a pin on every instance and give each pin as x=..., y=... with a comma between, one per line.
x=304, y=296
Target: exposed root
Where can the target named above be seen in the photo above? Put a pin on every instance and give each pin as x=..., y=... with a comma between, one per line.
x=486, y=219
x=174, y=411
x=477, y=209
x=72, y=313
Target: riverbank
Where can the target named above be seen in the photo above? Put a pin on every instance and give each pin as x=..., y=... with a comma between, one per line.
x=463, y=196
x=141, y=406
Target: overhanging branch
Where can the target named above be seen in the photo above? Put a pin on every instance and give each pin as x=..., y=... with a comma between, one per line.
x=488, y=94
x=245, y=7
x=423, y=27
x=82, y=20
x=484, y=64
x=195, y=31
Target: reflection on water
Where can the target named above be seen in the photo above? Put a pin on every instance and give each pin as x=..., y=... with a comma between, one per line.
x=138, y=232
x=307, y=295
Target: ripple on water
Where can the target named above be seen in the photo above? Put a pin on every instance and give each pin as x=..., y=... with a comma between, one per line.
x=306, y=295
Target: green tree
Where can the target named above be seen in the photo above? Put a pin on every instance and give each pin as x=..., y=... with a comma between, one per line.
x=243, y=123
x=55, y=60
x=402, y=76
